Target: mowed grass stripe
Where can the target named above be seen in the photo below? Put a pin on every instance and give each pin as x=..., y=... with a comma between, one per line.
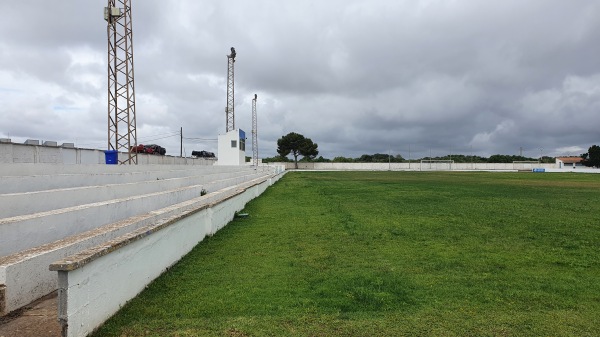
x=390, y=254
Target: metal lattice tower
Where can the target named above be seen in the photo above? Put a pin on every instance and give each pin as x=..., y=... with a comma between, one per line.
x=229, y=109
x=254, y=133
x=122, y=133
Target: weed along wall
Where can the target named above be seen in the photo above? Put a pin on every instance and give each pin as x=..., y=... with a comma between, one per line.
x=86, y=281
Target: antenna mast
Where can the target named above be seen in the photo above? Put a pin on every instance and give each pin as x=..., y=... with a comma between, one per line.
x=229, y=113
x=122, y=133
x=254, y=131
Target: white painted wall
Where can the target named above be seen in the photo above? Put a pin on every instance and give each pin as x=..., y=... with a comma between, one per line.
x=87, y=296
x=415, y=166
x=21, y=153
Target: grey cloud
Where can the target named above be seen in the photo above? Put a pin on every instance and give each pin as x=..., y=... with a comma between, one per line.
x=355, y=76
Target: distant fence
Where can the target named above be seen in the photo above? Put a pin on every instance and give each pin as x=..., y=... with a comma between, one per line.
x=417, y=166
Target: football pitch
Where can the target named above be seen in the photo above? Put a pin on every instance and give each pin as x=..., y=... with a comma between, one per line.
x=390, y=254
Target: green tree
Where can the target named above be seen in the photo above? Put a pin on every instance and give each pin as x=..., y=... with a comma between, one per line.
x=276, y=159
x=379, y=158
x=322, y=160
x=503, y=158
x=297, y=145
x=341, y=159
x=592, y=157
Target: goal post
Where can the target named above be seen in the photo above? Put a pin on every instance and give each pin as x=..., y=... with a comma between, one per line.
x=525, y=164
x=436, y=165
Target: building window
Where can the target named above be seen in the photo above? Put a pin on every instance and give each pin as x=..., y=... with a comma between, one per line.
x=234, y=143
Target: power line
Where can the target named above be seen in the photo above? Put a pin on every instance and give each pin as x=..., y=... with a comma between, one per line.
x=153, y=139
x=205, y=139
x=173, y=133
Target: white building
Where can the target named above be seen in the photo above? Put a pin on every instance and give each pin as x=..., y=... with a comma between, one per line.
x=569, y=162
x=232, y=148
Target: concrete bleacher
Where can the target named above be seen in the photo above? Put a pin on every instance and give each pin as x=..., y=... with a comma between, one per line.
x=74, y=210
x=86, y=296
x=29, y=202
x=50, y=212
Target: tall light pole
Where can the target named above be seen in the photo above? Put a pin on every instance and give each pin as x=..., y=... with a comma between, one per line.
x=254, y=133
x=122, y=133
x=229, y=109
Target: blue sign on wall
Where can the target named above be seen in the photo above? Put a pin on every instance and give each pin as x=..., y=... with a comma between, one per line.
x=538, y=170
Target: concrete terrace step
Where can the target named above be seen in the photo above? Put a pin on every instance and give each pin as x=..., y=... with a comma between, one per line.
x=20, y=290
x=34, y=183
x=16, y=204
x=28, y=231
x=30, y=169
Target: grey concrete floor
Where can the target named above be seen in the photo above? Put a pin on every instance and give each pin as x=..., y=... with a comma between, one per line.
x=39, y=319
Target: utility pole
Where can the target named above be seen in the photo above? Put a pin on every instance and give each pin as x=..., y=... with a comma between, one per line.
x=181, y=142
x=254, y=133
x=409, y=156
x=122, y=133
x=229, y=109
x=472, y=156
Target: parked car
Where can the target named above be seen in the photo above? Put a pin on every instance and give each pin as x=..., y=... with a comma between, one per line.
x=203, y=154
x=155, y=149
x=149, y=149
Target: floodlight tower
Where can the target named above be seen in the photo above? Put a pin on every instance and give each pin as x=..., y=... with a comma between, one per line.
x=229, y=112
x=122, y=133
x=254, y=135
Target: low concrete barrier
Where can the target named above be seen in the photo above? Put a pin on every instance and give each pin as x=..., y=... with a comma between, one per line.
x=24, y=277
x=86, y=295
x=34, y=153
x=415, y=166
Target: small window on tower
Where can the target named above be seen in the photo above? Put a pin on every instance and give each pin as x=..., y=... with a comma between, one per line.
x=234, y=143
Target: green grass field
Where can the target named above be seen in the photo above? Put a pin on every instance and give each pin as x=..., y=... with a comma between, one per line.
x=390, y=254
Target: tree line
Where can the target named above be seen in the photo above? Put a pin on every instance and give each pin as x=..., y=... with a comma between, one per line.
x=386, y=158
x=297, y=145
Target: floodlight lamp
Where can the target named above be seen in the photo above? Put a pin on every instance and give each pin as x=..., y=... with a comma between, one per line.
x=111, y=12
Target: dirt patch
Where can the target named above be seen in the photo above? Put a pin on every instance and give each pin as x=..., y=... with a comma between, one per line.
x=236, y=333
x=39, y=319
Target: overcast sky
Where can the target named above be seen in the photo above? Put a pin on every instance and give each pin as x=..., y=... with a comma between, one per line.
x=356, y=76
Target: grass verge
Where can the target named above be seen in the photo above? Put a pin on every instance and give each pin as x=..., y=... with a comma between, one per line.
x=390, y=254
